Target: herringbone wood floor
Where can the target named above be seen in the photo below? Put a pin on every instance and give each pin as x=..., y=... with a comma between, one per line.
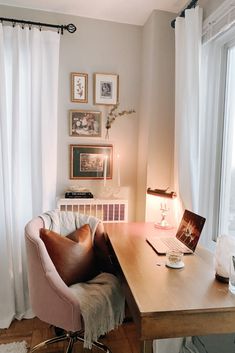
x=34, y=331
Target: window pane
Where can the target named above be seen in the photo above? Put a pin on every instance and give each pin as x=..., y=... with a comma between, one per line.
x=227, y=200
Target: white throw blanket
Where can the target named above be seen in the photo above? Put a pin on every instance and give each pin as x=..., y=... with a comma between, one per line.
x=66, y=222
x=102, y=305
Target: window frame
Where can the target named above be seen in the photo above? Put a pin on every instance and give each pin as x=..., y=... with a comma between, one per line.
x=220, y=45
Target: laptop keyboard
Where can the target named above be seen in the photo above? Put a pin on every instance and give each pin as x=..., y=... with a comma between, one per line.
x=173, y=244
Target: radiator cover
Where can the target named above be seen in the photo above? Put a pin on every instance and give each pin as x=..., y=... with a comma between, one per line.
x=112, y=211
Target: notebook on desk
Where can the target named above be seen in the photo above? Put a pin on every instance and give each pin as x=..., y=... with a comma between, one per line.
x=186, y=238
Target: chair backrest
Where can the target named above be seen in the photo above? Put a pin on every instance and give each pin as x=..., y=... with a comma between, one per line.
x=51, y=299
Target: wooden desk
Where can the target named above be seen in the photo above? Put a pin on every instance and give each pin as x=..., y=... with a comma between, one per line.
x=167, y=302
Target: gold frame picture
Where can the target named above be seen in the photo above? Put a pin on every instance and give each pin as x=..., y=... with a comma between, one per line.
x=79, y=87
x=91, y=161
x=85, y=123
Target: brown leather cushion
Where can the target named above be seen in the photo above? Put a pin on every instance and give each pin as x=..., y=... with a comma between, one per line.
x=103, y=251
x=73, y=255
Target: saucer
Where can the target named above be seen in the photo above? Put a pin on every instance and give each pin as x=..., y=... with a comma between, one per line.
x=175, y=265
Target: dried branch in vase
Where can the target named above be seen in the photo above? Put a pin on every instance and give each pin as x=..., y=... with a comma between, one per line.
x=113, y=114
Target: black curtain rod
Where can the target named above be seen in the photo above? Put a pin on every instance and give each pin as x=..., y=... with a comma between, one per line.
x=192, y=4
x=71, y=28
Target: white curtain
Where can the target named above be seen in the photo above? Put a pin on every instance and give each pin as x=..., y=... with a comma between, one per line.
x=187, y=67
x=29, y=62
x=210, y=128
x=187, y=132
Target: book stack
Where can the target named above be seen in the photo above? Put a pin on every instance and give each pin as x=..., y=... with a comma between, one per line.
x=78, y=195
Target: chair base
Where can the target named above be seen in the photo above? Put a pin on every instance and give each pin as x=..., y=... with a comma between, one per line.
x=71, y=337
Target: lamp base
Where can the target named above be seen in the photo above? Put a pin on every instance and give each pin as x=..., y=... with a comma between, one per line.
x=162, y=226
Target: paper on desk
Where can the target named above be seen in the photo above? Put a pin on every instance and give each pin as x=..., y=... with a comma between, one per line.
x=224, y=248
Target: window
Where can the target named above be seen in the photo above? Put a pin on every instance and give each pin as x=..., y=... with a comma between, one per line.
x=227, y=194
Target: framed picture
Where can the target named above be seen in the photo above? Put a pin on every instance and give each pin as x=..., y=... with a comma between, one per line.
x=85, y=123
x=91, y=162
x=79, y=87
x=106, y=88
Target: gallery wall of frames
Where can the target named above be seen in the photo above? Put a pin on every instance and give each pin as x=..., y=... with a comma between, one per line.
x=91, y=161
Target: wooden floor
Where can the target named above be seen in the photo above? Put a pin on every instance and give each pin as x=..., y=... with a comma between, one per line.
x=34, y=331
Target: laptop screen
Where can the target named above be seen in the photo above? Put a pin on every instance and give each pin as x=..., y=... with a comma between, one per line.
x=190, y=229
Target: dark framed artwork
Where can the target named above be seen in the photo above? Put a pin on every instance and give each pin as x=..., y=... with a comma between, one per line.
x=91, y=161
x=85, y=123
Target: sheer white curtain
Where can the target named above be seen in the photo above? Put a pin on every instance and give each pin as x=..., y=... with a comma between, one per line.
x=29, y=62
x=210, y=139
x=187, y=67
x=187, y=131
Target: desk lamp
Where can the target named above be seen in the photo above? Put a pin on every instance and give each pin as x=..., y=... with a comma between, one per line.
x=163, y=205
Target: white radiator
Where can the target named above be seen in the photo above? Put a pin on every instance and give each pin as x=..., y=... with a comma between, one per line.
x=115, y=211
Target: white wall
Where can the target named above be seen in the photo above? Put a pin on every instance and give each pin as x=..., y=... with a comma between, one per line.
x=156, y=130
x=101, y=46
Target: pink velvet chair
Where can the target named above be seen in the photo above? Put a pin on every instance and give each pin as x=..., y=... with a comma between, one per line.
x=51, y=299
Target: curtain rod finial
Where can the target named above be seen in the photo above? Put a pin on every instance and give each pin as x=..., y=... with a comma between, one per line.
x=71, y=28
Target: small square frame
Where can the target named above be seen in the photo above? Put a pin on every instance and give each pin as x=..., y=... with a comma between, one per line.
x=106, y=88
x=79, y=87
x=85, y=123
x=88, y=161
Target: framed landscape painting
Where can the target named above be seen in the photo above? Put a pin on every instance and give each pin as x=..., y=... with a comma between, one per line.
x=91, y=161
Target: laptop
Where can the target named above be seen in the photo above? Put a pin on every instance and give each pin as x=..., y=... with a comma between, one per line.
x=186, y=238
